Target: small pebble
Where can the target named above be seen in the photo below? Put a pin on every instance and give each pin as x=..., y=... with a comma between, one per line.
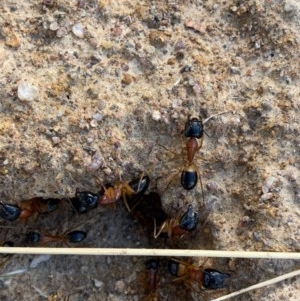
x=119, y=286
x=269, y=183
x=54, y=26
x=12, y=40
x=98, y=283
x=107, y=171
x=171, y=61
x=127, y=79
x=61, y=32
x=78, y=30
x=97, y=162
x=28, y=92
x=98, y=117
x=266, y=197
x=55, y=140
x=94, y=123
x=156, y=115
x=179, y=45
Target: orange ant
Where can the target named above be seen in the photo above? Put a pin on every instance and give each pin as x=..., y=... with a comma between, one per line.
x=204, y=278
x=37, y=206
x=193, y=132
x=112, y=193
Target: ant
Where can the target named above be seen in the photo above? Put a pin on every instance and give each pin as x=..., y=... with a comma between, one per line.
x=152, y=266
x=73, y=237
x=27, y=208
x=177, y=226
x=112, y=193
x=205, y=278
x=37, y=206
x=193, y=132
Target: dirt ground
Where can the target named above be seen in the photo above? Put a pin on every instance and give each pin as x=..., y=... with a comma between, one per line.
x=93, y=89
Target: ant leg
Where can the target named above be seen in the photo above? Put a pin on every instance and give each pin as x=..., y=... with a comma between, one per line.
x=203, y=263
x=126, y=203
x=167, y=149
x=215, y=115
x=141, y=178
x=156, y=234
x=201, y=184
x=170, y=180
x=185, y=263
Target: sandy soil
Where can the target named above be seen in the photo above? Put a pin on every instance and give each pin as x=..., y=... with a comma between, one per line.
x=111, y=84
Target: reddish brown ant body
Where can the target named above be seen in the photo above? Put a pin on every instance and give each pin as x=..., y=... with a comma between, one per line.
x=152, y=266
x=191, y=273
x=37, y=206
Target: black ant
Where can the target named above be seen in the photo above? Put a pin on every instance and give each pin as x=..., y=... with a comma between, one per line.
x=75, y=236
x=204, y=278
x=152, y=266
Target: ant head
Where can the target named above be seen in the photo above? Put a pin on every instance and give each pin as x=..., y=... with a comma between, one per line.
x=193, y=127
x=33, y=237
x=152, y=264
x=213, y=279
x=9, y=212
x=189, y=220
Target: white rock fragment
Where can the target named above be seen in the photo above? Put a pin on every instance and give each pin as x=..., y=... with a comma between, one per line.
x=98, y=117
x=156, y=115
x=94, y=123
x=27, y=92
x=98, y=283
x=55, y=140
x=78, y=30
x=120, y=286
x=39, y=259
x=54, y=26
